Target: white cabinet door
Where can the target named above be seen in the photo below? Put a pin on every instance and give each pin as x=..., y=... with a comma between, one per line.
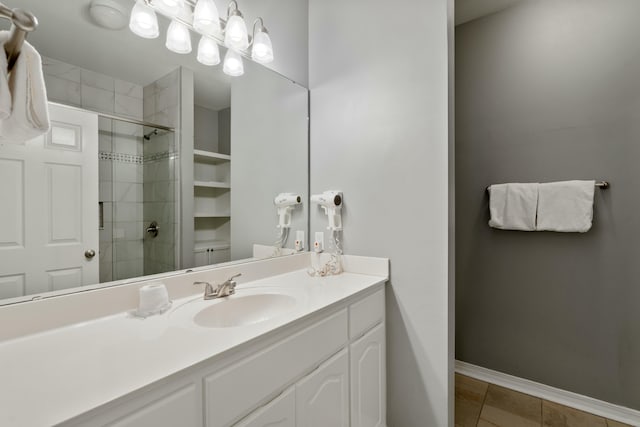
x=280, y=412
x=200, y=258
x=322, y=397
x=368, y=379
x=49, y=211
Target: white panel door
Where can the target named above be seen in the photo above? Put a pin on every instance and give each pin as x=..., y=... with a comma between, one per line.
x=49, y=214
x=280, y=412
x=368, y=380
x=322, y=398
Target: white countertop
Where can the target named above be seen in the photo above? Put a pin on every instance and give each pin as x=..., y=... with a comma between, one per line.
x=55, y=375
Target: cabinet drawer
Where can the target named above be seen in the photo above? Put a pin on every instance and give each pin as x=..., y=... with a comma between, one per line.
x=365, y=314
x=232, y=392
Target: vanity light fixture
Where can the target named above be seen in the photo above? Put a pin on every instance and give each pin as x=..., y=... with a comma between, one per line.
x=208, y=52
x=143, y=21
x=215, y=31
x=178, y=38
x=261, y=48
x=170, y=7
x=206, y=18
x=236, y=35
x=233, y=65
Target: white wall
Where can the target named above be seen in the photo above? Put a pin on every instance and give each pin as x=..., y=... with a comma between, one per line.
x=269, y=155
x=379, y=83
x=287, y=23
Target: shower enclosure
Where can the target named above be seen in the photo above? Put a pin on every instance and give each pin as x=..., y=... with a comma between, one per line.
x=139, y=199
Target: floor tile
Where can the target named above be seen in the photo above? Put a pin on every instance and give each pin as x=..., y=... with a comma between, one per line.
x=555, y=415
x=508, y=408
x=611, y=423
x=469, y=398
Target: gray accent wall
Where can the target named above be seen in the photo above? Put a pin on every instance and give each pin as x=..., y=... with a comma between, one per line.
x=545, y=91
x=379, y=88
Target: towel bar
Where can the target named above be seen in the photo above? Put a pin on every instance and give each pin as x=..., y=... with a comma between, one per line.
x=22, y=22
x=603, y=185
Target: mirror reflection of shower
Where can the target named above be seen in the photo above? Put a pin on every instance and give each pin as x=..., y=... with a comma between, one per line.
x=150, y=134
x=138, y=183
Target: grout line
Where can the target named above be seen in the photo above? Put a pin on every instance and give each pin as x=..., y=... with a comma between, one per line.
x=484, y=399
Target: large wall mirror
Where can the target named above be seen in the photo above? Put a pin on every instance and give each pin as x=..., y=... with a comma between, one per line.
x=155, y=163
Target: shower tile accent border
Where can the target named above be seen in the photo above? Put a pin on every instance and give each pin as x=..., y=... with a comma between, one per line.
x=121, y=157
x=136, y=159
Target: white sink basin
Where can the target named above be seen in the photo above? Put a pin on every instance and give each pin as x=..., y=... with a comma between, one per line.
x=242, y=310
x=246, y=307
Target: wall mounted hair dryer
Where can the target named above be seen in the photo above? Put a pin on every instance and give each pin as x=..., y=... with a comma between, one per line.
x=285, y=203
x=331, y=202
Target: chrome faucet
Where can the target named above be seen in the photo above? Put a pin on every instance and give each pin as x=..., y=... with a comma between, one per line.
x=224, y=289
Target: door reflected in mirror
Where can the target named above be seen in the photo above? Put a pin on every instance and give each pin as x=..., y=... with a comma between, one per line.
x=155, y=163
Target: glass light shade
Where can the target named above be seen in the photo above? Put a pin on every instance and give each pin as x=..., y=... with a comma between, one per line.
x=208, y=52
x=170, y=7
x=206, y=18
x=262, y=50
x=143, y=21
x=178, y=38
x=233, y=65
x=235, y=33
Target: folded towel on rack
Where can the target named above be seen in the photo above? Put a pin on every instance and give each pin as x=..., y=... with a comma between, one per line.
x=566, y=206
x=5, y=94
x=29, y=110
x=513, y=206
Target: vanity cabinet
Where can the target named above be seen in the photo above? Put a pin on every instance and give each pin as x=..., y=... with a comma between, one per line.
x=324, y=370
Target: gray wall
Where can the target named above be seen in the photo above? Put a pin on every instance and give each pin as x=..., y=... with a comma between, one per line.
x=224, y=131
x=269, y=155
x=205, y=129
x=378, y=83
x=550, y=90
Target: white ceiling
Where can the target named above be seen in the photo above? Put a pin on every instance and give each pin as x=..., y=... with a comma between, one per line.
x=67, y=33
x=468, y=10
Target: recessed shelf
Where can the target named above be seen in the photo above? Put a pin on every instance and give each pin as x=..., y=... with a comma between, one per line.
x=210, y=157
x=211, y=184
x=211, y=215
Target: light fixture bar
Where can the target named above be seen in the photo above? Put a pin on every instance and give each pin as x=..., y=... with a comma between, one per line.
x=220, y=40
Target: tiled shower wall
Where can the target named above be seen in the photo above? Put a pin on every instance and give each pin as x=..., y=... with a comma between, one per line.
x=161, y=192
x=120, y=164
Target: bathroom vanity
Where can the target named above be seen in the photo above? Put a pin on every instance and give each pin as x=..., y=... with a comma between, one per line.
x=286, y=349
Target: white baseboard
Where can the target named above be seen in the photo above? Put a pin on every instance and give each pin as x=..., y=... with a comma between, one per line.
x=563, y=397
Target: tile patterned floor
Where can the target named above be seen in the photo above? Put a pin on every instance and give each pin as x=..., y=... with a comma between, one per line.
x=480, y=404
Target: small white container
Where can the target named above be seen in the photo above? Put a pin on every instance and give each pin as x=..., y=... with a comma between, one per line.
x=154, y=299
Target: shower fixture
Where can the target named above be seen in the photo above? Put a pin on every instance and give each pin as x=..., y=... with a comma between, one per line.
x=205, y=20
x=148, y=136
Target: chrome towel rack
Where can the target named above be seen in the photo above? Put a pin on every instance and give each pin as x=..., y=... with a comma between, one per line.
x=603, y=185
x=22, y=23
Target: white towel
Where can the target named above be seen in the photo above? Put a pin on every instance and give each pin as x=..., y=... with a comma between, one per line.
x=29, y=111
x=566, y=206
x=5, y=94
x=513, y=206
